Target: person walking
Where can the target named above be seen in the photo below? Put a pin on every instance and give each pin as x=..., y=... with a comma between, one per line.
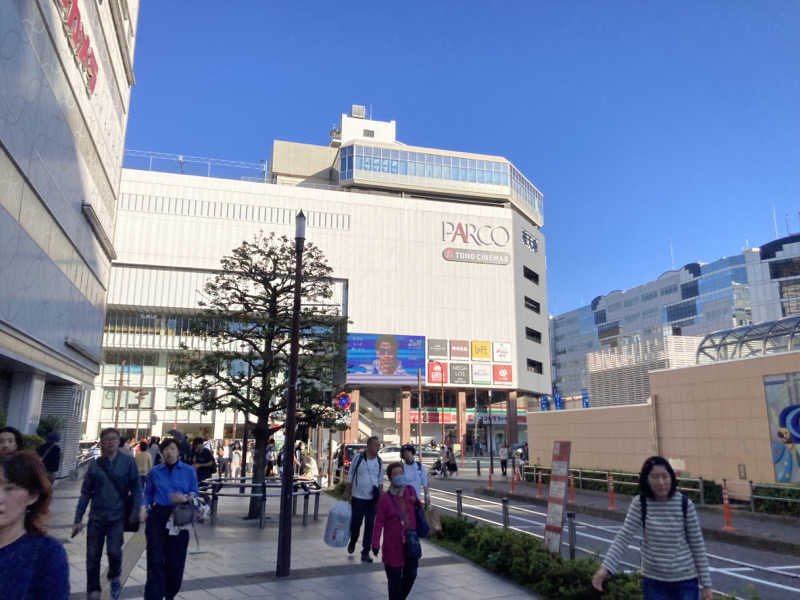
x=271, y=457
x=33, y=565
x=298, y=459
x=202, y=460
x=236, y=454
x=50, y=452
x=108, y=484
x=364, y=484
x=674, y=561
x=503, y=454
x=154, y=450
x=11, y=441
x=144, y=462
x=170, y=483
x=124, y=448
x=222, y=462
x=396, y=515
x=415, y=471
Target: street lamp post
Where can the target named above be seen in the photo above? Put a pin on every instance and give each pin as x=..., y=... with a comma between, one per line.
x=287, y=477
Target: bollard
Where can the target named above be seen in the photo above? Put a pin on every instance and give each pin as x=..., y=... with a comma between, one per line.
x=727, y=506
x=262, y=517
x=572, y=488
x=490, y=480
x=513, y=474
x=316, y=506
x=214, y=502
x=505, y=513
x=752, y=499
x=539, y=487
x=459, y=507
x=611, y=492
x=478, y=464
x=702, y=492
x=294, y=501
x=305, y=508
x=572, y=535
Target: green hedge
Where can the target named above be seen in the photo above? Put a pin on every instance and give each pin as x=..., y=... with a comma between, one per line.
x=712, y=490
x=523, y=559
x=776, y=506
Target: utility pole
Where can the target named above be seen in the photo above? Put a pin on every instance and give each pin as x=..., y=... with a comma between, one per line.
x=441, y=379
x=491, y=436
x=119, y=393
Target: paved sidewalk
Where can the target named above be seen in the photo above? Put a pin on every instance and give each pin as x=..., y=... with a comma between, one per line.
x=237, y=560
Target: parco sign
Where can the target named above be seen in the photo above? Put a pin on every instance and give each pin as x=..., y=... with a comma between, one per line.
x=478, y=235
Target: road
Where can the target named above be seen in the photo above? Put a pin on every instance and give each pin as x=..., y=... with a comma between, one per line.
x=734, y=569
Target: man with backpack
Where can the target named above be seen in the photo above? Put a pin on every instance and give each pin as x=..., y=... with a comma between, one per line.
x=415, y=472
x=364, y=485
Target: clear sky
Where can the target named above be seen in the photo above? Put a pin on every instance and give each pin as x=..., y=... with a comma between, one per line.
x=644, y=124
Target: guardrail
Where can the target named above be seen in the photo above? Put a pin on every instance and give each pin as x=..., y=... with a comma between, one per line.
x=214, y=489
x=754, y=496
x=605, y=478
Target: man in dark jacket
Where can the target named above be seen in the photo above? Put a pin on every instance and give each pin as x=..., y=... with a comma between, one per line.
x=110, y=479
x=50, y=452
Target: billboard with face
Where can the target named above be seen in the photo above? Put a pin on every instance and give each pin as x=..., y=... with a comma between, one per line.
x=383, y=358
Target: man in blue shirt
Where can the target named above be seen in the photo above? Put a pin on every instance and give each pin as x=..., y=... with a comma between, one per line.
x=111, y=478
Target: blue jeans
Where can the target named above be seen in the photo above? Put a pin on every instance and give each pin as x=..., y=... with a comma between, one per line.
x=654, y=589
x=103, y=530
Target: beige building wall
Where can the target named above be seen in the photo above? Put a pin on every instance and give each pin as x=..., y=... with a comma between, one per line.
x=708, y=419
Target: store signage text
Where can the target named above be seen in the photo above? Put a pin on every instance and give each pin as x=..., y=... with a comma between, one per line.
x=79, y=42
x=484, y=257
x=529, y=241
x=480, y=235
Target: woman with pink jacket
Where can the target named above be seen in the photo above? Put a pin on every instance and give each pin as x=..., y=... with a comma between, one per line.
x=396, y=515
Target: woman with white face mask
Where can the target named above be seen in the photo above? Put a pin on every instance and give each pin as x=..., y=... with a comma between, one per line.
x=397, y=516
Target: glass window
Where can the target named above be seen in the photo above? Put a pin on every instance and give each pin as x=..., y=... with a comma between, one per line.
x=394, y=155
x=420, y=168
x=412, y=168
x=359, y=162
x=437, y=171
x=367, y=151
x=428, y=169
x=437, y=160
x=446, y=172
x=109, y=397
x=404, y=156
x=393, y=167
x=402, y=167
x=412, y=156
x=385, y=165
x=471, y=174
x=463, y=174
x=172, y=399
x=446, y=161
x=481, y=176
x=359, y=150
x=367, y=163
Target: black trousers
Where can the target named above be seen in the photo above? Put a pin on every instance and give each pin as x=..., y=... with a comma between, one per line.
x=103, y=530
x=166, y=556
x=401, y=579
x=363, y=510
x=504, y=466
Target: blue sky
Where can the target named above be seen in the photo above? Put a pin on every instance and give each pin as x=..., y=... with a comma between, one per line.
x=643, y=123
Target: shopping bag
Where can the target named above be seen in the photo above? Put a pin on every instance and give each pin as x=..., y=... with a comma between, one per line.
x=434, y=520
x=337, y=529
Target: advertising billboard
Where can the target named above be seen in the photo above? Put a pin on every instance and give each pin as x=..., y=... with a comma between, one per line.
x=383, y=358
x=502, y=373
x=502, y=352
x=481, y=350
x=437, y=348
x=481, y=374
x=459, y=349
x=437, y=372
x=459, y=373
x=783, y=412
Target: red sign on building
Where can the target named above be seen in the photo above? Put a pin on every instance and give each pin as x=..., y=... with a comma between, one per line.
x=557, y=496
x=437, y=372
x=79, y=42
x=502, y=373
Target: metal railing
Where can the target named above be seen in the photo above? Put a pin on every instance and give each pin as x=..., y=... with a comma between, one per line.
x=214, y=489
x=754, y=496
x=685, y=484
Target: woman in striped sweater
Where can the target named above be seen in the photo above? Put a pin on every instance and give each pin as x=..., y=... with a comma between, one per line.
x=674, y=561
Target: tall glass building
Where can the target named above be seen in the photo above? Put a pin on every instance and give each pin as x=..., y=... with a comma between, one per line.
x=760, y=284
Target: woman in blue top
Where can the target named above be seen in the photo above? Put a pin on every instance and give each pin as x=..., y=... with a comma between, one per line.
x=171, y=482
x=33, y=566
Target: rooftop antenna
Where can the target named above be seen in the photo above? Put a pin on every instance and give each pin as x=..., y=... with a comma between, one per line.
x=370, y=111
x=787, y=223
x=774, y=221
x=671, y=255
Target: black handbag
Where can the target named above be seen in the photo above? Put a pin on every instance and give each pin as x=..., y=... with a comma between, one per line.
x=184, y=514
x=131, y=515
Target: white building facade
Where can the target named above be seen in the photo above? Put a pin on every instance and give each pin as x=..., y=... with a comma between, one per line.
x=66, y=71
x=452, y=270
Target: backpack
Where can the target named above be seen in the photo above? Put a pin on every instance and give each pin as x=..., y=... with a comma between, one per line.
x=357, y=463
x=684, y=507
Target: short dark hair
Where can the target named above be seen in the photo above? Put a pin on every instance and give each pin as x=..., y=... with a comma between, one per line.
x=198, y=440
x=644, y=485
x=143, y=446
x=388, y=339
x=392, y=467
x=168, y=441
x=20, y=441
x=26, y=470
x=408, y=447
x=108, y=430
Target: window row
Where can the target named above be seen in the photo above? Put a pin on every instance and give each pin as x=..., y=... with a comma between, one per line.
x=533, y=335
x=530, y=275
x=154, y=324
x=533, y=305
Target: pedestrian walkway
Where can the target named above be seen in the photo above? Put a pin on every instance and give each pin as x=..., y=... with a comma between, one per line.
x=236, y=559
x=754, y=529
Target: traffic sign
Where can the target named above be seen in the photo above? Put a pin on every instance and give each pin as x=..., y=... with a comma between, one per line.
x=343, y=401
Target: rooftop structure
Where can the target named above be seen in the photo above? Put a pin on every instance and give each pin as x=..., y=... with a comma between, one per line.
x=772, y=337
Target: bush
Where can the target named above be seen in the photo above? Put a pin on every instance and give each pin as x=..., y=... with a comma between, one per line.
x=48, y=424
x=525, y=560
x=338, y=491
x=32, y=441
x=776, y=506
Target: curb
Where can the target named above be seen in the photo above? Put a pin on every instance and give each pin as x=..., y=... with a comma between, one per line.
x=718, y=535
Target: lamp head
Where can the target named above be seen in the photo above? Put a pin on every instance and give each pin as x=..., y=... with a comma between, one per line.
x=300, y=225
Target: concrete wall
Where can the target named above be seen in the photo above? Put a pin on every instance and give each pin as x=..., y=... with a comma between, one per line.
x=709, y=419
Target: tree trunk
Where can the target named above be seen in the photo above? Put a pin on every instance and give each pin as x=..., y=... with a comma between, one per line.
x=259, y=461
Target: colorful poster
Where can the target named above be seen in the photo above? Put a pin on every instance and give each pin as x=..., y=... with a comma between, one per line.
x=502, y=352
x=557, y=496
x=437, y=348
x=481, y=374
x=437, y=372
x=783, y=411
x=459, y=373
x=383, y=358
x=502, y=373
x=459, y=348
x=481, y=350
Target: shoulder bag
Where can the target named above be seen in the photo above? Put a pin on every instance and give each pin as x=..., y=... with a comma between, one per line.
x=131, y=517
x=411, y=545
